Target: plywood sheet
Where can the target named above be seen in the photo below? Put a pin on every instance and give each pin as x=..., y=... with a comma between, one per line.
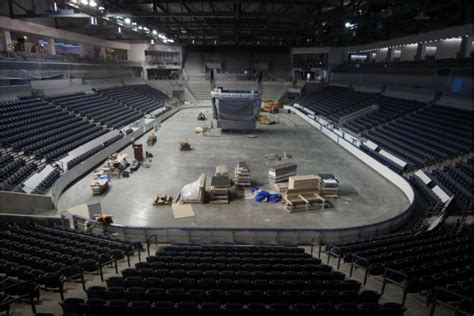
x=182, y=210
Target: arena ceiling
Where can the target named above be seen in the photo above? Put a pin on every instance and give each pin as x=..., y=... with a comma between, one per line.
x=246, y=22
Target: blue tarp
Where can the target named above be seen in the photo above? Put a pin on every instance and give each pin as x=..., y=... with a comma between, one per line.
x=264, y=196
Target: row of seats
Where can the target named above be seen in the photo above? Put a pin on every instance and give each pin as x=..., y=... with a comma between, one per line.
x=417, y=261
x=390, y=108
x=98, y=108
x=320, y=95
x=38, y=128
x=232, y=274
x=133, y=99
x=424, y=63
x=47, y=182
x=457, y=179
x=78, y=306
x=51, y=256
x=457, y=294
x=13, y=290
x=425, y=191
x=381, y=158
x=80, y=158
x=13, y=171
x=331, y=105
x=428, y=136
x=148, y=91
x=219, y=294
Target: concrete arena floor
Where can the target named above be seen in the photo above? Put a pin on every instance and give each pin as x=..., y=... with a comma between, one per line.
x=366, y=197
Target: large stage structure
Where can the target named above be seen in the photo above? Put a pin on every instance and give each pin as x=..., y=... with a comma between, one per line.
x=236, y=109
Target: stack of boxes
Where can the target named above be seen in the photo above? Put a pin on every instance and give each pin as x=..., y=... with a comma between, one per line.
x=220, y=186
x=281, y=172
x=329, y=186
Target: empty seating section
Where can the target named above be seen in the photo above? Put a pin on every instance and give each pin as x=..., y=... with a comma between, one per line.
x=331, y=105
x=99, y=108
x=39, y=128
x=47, y=182
x=377, y=156
x=133, y=99
x=427, y=136
x=13, y=171
x=231, y=278
x=405, y=66
x=50, y=256
x=417, y=260
x=457, y=179
x=317, y=96
x=457, y=294
x=389, y=108
x=78, y=159
x=148, y=91
x=425, y=191
x=13, y=290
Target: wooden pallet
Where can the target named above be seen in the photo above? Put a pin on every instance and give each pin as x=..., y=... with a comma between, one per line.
x=295, y=202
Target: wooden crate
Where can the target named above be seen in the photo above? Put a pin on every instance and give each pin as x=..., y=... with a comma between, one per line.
x=303, y=182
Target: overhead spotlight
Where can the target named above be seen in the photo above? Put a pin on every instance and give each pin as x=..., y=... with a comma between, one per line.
x=25, y=37
x=84, y=2
x=127, y=20
x=152, y=42
x=193, y=42
x=55, y=6
x=119, y=30
x=101, y=8
x=92, y=3
x=154, y=32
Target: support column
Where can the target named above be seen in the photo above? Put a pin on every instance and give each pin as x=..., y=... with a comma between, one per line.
x=419, y=51
x=82, y=50
x=102, y=52
x=388, y=58
x=465, y=48
x=7, y=40
x=52, y=46
x=144, y=73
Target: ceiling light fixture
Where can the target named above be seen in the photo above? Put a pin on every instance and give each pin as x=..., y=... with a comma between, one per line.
x=127, y=20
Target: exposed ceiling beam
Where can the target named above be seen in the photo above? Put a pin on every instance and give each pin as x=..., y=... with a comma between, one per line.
x=210, y=14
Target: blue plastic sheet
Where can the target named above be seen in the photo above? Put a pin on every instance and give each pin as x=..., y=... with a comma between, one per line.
x=264, y=196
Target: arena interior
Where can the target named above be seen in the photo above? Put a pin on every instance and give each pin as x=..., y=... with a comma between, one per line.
x=236, y=155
